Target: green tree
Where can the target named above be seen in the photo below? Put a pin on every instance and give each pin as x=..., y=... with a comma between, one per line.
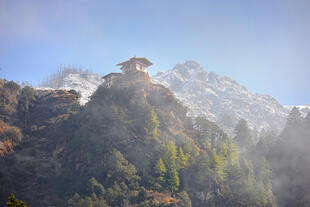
x=182, y=158
x=26, y=100
x=153, y=124
x=294, y=118
x=14, y=202
x=142, y=194
x=243, y=136
x=93, y=201
x=264, y=173
x=233, y=152
x=217, y=165
x=201, y=171
x=120, y=170
x=185, y=199
x=209, y=133
x=170, y=158
x=225, y=120
x=12, y=86
x=95, y=187
x=160, y=171
x=188, y=148
x=173, y=180
x=118, y=194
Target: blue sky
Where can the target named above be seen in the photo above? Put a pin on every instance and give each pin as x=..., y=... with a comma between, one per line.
x=263, y=44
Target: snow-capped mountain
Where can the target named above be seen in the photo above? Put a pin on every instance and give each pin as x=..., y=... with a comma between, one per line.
x=85, y=83
x=221, y=99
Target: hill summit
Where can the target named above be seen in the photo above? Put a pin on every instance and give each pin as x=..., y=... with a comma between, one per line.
x=130, y=145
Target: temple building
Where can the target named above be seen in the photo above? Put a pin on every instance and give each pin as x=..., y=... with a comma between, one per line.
x=132, y=69
x=135, y=64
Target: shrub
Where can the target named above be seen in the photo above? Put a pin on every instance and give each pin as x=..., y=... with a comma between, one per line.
x=13, y=133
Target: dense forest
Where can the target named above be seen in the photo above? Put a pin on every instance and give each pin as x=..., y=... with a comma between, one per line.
x=133, y=145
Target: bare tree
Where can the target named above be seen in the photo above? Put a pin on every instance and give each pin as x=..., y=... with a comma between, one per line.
x=56, y=79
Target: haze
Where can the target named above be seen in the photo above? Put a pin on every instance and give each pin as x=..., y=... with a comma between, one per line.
x=264, y=45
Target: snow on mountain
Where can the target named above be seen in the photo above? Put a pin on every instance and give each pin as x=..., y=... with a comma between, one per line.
x=221, y=99
x=303, y=109
x=85, y=83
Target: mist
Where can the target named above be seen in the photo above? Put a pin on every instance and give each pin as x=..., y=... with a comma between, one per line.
x=154, y=103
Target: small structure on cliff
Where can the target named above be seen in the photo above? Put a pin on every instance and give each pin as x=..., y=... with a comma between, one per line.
x=135, y=64
x=132, y=70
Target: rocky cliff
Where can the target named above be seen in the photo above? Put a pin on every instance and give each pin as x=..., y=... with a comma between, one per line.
x=221, y=99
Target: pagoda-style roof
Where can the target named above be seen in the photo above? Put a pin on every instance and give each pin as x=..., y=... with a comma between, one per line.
x=141, y=60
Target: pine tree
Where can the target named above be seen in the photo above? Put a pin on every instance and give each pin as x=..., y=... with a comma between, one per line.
x=95, y=187
x=294, y=118
x=170, y=158
x=173, y=180
x=188, y=148
x=218, y=165
x=233, y=152
x=185, y=199
x=153, y=124
x=160, y=170
x=243, y=135
x=226, y=120
x=307, y=119
x=264, y=173
x=25, y=102
x=14, y=202
x=182, y=158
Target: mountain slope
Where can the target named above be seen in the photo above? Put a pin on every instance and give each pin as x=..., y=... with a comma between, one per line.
x=221, y=99
x=130, y=145
x=83, y=82
x=289, y=158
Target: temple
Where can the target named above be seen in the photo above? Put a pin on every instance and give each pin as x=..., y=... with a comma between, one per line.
x=135, y=64
x=132, y=70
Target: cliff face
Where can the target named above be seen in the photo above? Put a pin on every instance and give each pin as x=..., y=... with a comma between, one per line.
x=51, y=106
x=27, y=151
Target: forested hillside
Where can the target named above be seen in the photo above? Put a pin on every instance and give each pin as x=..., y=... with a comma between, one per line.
x=290, y=161
x=130, y=145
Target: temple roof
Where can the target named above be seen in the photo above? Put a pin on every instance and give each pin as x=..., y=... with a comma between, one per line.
x=111, y=74
x=142, y=60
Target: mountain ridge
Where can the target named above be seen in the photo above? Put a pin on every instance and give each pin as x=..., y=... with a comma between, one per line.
x=221, y=96
x=211, y=95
